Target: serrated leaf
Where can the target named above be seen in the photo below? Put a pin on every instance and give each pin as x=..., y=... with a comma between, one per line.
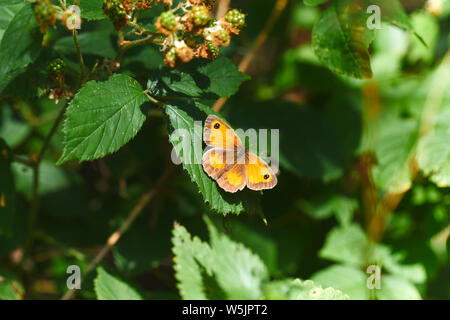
x=7, y=190
x=189, y=254
x=345, y=245
x=394, y=150
x=108, y=287
x=433, y=151
x=92, y=10
x=183, y=132
x=296, y=289
x=20, y=45
x=348, y=279
x=7, y=12
x=340, y=39
x=223, y=269
x=239, y=272
x=201, y=78
x=395, y=288
x=102, y=117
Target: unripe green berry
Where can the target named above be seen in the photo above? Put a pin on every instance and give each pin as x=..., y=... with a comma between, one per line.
x=56, y=67
x=168, y=20
x=214, y=51
x=200, y=15
x=236, y=18
x=171, y=55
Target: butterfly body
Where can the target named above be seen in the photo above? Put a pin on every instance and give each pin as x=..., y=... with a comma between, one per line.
x=230, y=164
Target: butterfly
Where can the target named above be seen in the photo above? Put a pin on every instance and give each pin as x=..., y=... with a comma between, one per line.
x=230, y=164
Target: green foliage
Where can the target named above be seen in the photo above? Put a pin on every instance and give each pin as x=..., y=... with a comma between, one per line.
x=227, y=270
x=20, y=45
x=108, y=287
x=363, y=117
x=103, y=117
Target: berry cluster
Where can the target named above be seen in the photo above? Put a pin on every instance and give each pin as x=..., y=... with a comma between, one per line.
x=188, y=31
x=56, y=70
x=192, y=33
x=45, y=14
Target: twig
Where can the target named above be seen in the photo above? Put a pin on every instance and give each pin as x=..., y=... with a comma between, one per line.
x=126, y=45
x=80, y=56
x=114, y=237
x=280, y=5
x=35, y=163
x=222, y=8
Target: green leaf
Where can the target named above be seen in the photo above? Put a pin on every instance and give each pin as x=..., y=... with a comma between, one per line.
x=347, y=279
x=108, y=287
x=201, y=78
x=91, y=10
x=239, y=272
x=324, y=207
x=7, y=12
x=7, y=190
x=51, y=178
x=186, y=137
x=224, y=269
x=20, y=45
x=346, y=245
x=340, y=39
x=296, y=289
x=102, y=117
x=10, y=2
x=12, y=131
x=395, y=288
x=395, y=149
x=10, y=286
x=93, y=43
x=433, y=152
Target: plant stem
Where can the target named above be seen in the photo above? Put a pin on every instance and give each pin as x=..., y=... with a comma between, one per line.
x=280, y=5
x=152, y=38
x=80, y=56
x=115, y=236
x=35, y=163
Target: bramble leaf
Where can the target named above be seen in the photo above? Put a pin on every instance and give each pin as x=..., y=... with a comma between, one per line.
x=102, y=117
x=108, y=287
x=20, y=45
x=296, y=289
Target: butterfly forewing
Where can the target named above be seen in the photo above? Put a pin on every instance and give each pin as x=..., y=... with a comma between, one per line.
x=219, y=134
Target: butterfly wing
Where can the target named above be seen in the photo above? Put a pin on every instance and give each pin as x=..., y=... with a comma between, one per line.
x=233, y=178
x=260, y=175
x=219, y=134
x=214, y=162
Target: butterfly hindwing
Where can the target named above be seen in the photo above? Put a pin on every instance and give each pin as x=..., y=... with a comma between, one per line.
x=260, y=175
x=234, y=178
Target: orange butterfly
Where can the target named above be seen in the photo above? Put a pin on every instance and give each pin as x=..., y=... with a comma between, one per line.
x=229, y=163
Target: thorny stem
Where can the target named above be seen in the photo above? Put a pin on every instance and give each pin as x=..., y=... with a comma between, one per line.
x=280, y=5
x=115, y=236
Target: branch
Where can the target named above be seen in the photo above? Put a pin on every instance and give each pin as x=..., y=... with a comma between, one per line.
x=115, y=236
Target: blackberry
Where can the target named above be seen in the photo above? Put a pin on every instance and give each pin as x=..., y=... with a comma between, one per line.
x=168, y=20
